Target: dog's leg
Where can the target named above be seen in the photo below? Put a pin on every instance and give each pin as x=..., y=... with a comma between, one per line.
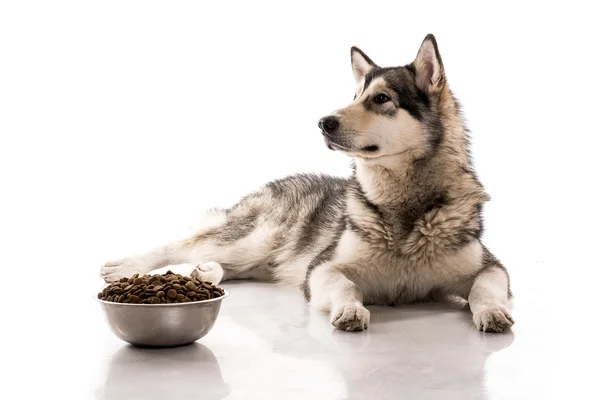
x=180, y=257
x=174, y=253
x=225, y=247
x=182, y=252
x=489, y=297
x=332, y=291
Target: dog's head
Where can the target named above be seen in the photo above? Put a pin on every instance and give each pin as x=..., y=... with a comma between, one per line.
x=395, y=110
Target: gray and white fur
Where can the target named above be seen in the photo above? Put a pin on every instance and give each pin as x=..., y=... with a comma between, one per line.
x=404, y=227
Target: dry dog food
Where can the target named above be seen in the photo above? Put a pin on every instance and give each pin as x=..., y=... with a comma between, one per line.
x=159, y=289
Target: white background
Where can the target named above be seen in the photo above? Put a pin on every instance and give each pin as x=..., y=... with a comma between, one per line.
x=122, y=121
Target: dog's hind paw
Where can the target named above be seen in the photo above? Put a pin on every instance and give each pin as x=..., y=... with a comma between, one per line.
x=493, y=319
x=351, y=317
x=209, y=271
x=112, y=271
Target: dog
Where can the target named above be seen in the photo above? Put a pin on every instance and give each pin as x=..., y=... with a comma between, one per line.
x=405, y=227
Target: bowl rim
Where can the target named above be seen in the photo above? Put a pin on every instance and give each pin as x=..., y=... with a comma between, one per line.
x=226, y=294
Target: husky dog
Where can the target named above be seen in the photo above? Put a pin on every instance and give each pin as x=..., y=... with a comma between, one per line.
x=405, y=227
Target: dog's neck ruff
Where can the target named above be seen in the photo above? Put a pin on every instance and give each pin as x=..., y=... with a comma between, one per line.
x=387, y=181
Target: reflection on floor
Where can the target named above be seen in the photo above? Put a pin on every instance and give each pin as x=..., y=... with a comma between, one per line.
x=268, y=344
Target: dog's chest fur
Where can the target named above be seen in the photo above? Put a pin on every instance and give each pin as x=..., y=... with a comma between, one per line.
x=390, y=277
x=401, y=252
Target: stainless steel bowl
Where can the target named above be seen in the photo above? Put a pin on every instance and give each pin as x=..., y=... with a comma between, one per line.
x=162, y=325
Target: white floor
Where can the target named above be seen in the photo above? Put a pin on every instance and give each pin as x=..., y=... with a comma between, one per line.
x=267, y=344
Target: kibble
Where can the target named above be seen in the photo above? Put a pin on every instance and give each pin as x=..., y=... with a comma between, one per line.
x=159, y=289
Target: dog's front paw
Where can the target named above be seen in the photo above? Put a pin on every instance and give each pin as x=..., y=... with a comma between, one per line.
x=493, y=319
x=350, y=317
x=112, y=271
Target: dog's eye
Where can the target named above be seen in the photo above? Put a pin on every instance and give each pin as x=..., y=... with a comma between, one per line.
x=381, y=98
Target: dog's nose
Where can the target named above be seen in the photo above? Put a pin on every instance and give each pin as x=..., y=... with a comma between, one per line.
x=329, y=124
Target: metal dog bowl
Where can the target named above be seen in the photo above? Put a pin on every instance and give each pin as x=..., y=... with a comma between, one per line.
x=162, y=325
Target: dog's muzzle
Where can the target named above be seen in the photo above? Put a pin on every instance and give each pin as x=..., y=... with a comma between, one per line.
x=329, y=124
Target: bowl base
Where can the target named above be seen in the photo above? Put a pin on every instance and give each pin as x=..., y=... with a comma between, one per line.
x=154, y=346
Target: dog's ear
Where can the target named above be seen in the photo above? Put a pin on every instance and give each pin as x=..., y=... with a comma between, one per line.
x=428, y=65
x=361, y=64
